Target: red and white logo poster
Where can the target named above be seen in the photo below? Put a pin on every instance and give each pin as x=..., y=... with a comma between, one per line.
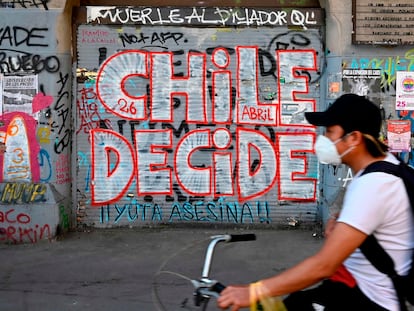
x=404, y=99
x=399, y=135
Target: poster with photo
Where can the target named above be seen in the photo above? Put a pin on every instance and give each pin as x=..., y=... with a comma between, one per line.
x=404, y=94
x=364, y=82
x=399, y=135
x=18, y=93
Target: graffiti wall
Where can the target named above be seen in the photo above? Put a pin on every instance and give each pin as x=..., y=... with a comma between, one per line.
x=381, y=88
x=197, y=115
x=366, y=69
x=31, y=212
x=35, y=125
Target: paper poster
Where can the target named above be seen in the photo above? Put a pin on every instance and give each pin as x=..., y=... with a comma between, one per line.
x=399, y=135
x=363, y=82
x=18, y=93
x=334, y=85
x=404, y=99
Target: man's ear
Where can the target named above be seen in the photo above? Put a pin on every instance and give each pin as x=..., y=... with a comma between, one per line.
x=355, y=138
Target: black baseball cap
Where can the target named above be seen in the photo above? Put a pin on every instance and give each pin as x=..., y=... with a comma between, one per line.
x=352, y=112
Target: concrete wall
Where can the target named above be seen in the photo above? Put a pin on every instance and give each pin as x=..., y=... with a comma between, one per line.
x=35, y=121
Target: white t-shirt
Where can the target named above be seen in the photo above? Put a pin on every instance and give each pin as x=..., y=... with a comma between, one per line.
x=378, y=203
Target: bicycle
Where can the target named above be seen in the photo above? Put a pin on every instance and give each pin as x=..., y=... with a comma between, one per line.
x=204, y=288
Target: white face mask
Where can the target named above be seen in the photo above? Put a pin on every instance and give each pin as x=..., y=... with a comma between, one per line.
x=326, y=150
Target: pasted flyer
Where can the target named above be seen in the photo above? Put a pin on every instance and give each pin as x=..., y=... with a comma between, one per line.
x=363, y=82
x=18, y=93
x=404, y=94
x=399, y=135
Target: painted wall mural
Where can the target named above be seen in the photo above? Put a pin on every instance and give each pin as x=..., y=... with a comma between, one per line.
x=198, y=124
x=35, y=124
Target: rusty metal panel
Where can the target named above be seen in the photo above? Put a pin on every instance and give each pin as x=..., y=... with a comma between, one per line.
x=184, y=123
x=203, y=3
x=303, y=18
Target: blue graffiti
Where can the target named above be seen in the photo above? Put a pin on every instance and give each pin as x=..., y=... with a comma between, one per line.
x=83, y=161
x=45, y=166
x=199, y=211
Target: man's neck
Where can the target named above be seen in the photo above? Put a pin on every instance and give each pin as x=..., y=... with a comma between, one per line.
x=362, y=162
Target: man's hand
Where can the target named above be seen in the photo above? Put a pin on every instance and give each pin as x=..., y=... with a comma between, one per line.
x=235, y=297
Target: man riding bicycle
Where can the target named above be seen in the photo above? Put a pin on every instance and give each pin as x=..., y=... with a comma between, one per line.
x=375, y=203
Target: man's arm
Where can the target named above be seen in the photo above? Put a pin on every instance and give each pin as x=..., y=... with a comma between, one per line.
x=342, y=241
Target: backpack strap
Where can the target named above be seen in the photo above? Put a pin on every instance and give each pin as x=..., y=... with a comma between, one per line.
x=401, y=170
x=384, y=167
x=371, y=248
x=383, y=262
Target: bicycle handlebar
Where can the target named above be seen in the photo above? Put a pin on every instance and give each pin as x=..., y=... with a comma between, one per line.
x=218, y=287
x=205, y=287
x=222, y=238
x=242, y=237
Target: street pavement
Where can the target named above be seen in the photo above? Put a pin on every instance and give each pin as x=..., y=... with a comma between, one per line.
x=139, y=269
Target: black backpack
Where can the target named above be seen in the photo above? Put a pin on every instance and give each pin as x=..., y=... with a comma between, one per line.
x=404, y=285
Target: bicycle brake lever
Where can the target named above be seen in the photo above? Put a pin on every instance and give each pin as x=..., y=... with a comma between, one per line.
x=205, y=289
x=202, y=292
x=204, y=283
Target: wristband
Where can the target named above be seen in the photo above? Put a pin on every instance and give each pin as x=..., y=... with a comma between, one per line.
x=253, y=292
